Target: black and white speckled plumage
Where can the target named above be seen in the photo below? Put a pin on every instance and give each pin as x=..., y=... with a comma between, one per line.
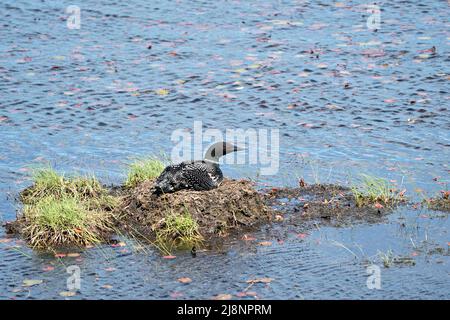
x=196, y=175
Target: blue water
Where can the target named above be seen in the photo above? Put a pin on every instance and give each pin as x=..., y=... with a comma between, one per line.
x=346, y=100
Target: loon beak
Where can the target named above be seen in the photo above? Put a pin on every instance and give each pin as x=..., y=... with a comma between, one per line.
x=236, y=148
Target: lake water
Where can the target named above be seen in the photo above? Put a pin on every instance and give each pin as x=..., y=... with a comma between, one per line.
x=347, y=100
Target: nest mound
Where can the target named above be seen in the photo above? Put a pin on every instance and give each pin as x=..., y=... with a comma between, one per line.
x=65, y=211
x=234, y=204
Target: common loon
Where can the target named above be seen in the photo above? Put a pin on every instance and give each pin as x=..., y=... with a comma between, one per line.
x=197, y=175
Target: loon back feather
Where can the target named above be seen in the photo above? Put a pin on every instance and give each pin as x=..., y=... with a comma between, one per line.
x=197, y=175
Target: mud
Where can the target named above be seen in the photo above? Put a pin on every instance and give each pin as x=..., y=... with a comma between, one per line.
x=235, y=205
x=323, y=203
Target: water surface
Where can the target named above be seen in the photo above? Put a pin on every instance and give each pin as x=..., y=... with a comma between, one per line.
x=345, y=98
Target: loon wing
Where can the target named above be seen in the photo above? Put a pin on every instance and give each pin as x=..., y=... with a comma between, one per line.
x=197, y=175
x=202, y=176
x=169, y=179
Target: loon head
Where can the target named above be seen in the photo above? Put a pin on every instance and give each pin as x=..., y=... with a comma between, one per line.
x=219, y=149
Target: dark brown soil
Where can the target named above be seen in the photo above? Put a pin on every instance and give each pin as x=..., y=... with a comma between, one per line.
x=440, y=203
x=13, y=227
x=323, y=203
x=234, y=205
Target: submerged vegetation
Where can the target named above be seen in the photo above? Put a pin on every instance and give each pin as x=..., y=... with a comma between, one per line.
x=441, y=202
x=375, y=191
x=143, y=170
x=388, y=259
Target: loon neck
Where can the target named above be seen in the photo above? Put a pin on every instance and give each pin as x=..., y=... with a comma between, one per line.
x=212, y=160
x=213, y=154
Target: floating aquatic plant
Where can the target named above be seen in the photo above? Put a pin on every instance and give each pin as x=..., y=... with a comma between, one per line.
x=375, y=191
x=441, y=202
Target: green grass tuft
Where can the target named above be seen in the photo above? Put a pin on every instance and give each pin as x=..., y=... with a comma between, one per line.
x=58, y=213
x=54, y=221
x=62, y=211
x=47, y=182
x=373, y=190
x=179, y=231
x=386, y=257
x=142, y=170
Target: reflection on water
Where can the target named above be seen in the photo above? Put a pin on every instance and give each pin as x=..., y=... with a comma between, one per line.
x=346, y=100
